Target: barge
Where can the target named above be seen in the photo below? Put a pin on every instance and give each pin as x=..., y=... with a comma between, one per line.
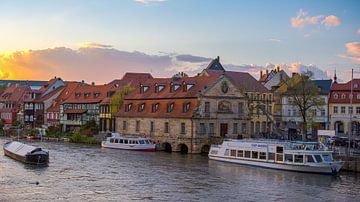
x=26, y=153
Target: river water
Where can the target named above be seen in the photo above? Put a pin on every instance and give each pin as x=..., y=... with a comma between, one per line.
x=90, y=173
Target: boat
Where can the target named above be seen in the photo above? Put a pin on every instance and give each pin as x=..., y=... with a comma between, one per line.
x=118, y=141
x=309, y=157
x=26, y=153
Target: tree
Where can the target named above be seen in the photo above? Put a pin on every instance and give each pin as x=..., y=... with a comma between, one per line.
x=304, y=94
x=118, y=99
x=17, y=123
x=90, y=128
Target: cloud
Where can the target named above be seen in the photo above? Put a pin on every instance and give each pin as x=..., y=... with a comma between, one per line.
x=147, y=2
x=358, y=31
x=93, y=63
x=275, y=40
x=94, y=45
x=353, y=49
x=331, y=21
x=302, y=19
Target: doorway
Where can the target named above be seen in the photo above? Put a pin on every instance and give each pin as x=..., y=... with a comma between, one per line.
x=223, y=129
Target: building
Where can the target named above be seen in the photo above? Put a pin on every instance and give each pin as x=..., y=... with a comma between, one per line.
x=37, y=101
x=273, y=79
x=288, y=116
x=340, y=108
x=11, y=101
x=82, y=105
x=107, y=110
x=34, y=85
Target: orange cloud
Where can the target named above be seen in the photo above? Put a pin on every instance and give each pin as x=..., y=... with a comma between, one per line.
x=358, y=31
x=353, y=49
x=331, y=21
x=302, y=19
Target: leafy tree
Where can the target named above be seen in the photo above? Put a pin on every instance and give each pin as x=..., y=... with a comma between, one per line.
x=16, y=123
x=304, y=94
x=118, y=99
x=90, y=128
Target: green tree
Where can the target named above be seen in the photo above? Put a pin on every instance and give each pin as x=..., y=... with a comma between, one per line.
x=304, y=94
x=90, y=128
x=118, y=99
x=16, y=123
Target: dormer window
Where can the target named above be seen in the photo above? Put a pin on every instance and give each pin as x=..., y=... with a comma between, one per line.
x=116, y=85
x=186, y=107
x=170, y=107
x=350, y=96
x=176, y=87
x=141, y=107
x=145, y=88
x=356, y=85
x=128, y=107
x=358, y=96
x=77, y=95
x=188, y=86
x=159, y=87
x=86, y=95
x=96, y=94
x=336, y=96
x=343, y=96
x=155, y=107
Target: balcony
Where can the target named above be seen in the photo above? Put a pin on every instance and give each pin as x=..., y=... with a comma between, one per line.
x=71, y=122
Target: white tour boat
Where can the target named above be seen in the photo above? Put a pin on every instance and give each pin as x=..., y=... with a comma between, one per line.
x=312, y=157
x=117, y=141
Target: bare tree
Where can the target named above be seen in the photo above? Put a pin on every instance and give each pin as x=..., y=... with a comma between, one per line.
x=304, y=94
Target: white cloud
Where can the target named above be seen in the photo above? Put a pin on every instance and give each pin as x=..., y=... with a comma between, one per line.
x=94, y=45
x=147, y=2
x=302, y=19
x=275, y=40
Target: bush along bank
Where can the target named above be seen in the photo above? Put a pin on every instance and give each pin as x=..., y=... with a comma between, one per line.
x=76, y=137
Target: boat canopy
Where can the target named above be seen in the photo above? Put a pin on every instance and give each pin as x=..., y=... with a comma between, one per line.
x=20, y=148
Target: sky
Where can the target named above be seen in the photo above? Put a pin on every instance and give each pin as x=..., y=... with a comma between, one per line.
x=100, y=40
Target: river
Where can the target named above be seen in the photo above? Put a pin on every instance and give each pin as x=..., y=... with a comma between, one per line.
x=90, y=173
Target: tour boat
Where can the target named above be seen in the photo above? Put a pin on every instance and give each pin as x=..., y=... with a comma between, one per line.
x=117, y=141
x=26, y=153
x=311, y=157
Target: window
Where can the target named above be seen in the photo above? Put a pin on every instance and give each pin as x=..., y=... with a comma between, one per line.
x=350, y=109
x=241, y=108
x=160, y=87
x=226, y=152
x=235, y=128
x=170, y=107
x=145, y=88
x=318, y=158
x=141, y=107
x=116, y=141
x=322, y=112
x=188, y=86
x=270, y=97
x=269, y=110
x=240, y=153
x=327, y=158
x=247, y=154
x=255, y=155
x=243, y=127
x=288, y=157
x=111, y=140
x=151, y=126
x=186, y=107
x=272, y=156
x=358, y=96
x=356, y=85
x=137, y=128
x=202, y=128
x=299, y=158
x=233, y=152
x=124, y=126
x=176, y=87
x=343, y=96
x=336, y=96
x=182, y=128
x=262, y=155
x=211, y=128
x=207, y=107
x=335, y=110
x=343, y=110
x=128, y=107
x=166, y=127
x=155, y=107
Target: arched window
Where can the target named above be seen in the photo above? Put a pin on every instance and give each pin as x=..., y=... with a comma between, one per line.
x=336, y=96
x=343, y=96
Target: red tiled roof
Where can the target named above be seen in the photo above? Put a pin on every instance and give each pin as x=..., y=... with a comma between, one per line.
x=88, y=94
x=346, y=86
x=162, y=110
x=68, y=90
x=130, y=76
x=344, y=89
x=75, y=111
x=199, y=84
x=264, y=77
x=14, y=93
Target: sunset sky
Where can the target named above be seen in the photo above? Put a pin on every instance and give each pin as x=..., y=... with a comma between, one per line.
x=99, y=40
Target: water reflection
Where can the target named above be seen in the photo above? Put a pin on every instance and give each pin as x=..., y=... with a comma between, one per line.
x=82, y=172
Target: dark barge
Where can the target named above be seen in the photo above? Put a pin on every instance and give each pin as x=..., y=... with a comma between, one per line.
x=26, y=153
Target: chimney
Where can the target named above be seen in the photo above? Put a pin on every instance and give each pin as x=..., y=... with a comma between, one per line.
x=93, y=83
x=261, y=74
x=294, y=74
x=267, y=72
x=278, y=68
x=218, y=58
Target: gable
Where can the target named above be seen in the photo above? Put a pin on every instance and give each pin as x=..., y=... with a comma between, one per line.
x=223, y=87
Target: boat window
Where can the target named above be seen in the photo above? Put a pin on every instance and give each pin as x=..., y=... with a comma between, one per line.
x=121, y=141
x=226, y=152
x=299, y=159
x=240, y=153
x=279, y=149
x=142, y=142
x=116, y=141
x=111, y=140
x=272, y=156
x=327, y=157
x=146, y=141
x=255, y=155
x=262, y=155
x=214, y=152
x=233, y=152
x=318, y=158
x=288, y=157
x=136, y=142
x=125, y=141
x=247, y=154
x=310, y=159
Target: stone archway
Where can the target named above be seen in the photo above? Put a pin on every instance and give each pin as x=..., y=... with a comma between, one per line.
x=205, y=149
x=339, y=127
x=183, y=148
x=167, y=147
